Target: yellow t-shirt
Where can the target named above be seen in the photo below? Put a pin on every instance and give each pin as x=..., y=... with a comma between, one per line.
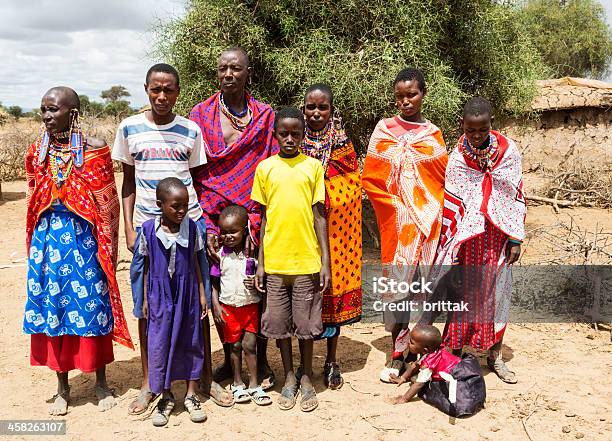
x=289, y=187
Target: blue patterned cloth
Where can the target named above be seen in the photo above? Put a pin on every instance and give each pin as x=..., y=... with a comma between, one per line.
x=67, y=289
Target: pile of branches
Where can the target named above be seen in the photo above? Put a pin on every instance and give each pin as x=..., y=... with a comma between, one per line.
x=584, y=255
x=569, y=244
x=574, y=183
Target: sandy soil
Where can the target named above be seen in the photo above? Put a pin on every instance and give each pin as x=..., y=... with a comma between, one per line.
x=564, y=371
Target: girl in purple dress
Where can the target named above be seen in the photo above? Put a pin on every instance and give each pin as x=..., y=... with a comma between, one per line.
x=175, y=300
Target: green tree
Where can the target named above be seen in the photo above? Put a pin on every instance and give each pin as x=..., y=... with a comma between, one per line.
x=115, y=106
x=572, y=36
x=115, y=93
x=34, y=114
x=90, y=108
x=118, y=109
x=464, y=47
x=15, y=111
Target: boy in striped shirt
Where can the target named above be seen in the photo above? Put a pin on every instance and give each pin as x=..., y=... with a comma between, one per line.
x=152, y=146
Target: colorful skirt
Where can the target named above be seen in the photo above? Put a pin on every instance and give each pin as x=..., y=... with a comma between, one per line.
x=68, y=352
x=67, y=289
x=486, y=288
x=342, y=303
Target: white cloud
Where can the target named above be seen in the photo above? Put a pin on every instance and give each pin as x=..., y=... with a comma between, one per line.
x=87, y=45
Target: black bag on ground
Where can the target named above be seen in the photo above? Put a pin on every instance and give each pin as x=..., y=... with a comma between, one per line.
x=471, y=389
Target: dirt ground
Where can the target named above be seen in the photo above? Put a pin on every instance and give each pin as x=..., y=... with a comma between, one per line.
x=563, y=393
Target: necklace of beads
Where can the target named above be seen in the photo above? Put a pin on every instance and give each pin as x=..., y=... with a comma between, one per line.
x=236, y=119
x=486, y=157
x=61, y=135
x=60, y=162
x=318, y=144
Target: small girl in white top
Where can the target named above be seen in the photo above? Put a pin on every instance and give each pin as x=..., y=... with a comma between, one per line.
x=235, y=302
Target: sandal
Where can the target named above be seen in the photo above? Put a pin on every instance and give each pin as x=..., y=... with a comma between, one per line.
x=206, y=392
x=194, y=406
x=259, y=397
x=392, y=367
x=288, y=397
x=332, y=377
x=162, y=412
x=268, y=380
x=240, y=394
x=501, y=370
x=144, y=399
x=309, y=401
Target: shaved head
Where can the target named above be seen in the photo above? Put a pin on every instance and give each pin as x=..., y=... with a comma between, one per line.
x=66, y=95
x=168, y=186
x=428, y=335
x=238, y=50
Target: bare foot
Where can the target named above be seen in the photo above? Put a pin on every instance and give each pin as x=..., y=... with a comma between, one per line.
x=141, y=403
x=60, y=404
x=106, y=398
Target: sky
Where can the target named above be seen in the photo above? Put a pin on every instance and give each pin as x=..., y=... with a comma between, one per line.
x=88, y=45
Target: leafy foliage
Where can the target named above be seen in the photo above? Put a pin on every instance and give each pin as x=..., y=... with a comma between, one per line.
x=115, y=106
x=572, y=36
x=464, y=47
x=89, y=107
x=115, y=93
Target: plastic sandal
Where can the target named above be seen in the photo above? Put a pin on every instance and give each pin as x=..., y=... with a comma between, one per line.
x=240, y=394
x=392, y=367
x=309, y=401
x=206, y=391
x=145, y=397
x=501, y=370
x=269, y=381
x=288, y=397
x=162, y=412
x=259, y=397
x=193, y=405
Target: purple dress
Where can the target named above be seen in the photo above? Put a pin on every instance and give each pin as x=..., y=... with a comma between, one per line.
x=174, y=337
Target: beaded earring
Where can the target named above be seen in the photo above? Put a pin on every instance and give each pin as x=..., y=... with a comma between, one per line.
x=76, y=138
x=337, y=119
x=44, y=147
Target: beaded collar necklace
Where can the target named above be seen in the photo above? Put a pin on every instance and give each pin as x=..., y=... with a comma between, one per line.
x=486, y=157
x=319, y=144
x=60, y=162
x=236, y=119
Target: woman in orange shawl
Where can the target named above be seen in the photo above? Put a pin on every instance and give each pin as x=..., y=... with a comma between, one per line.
x=403, y=176
x=73, y=311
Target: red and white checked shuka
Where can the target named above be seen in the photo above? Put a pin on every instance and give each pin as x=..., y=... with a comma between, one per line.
x=484, y=207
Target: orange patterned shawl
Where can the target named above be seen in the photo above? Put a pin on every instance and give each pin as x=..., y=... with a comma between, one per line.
x=403, y=176
x=89, y=192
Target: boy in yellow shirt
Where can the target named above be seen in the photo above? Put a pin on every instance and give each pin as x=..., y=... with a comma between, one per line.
x=294, y=252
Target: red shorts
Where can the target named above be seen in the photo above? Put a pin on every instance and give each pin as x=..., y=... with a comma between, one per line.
x=239, y=319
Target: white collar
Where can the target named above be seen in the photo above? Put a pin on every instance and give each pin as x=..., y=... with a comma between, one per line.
x=183, y=236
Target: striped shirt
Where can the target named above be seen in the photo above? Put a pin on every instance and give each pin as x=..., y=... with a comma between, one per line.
x=158, y=152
